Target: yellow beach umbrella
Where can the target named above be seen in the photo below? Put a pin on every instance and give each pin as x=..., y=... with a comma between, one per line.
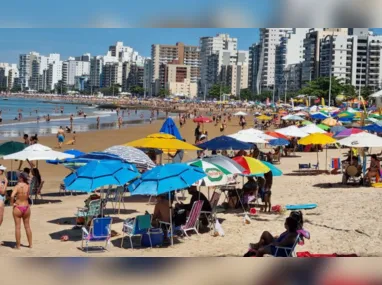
x=264, y=118
x=330, y=122
x=162, y=141
x=318, y=139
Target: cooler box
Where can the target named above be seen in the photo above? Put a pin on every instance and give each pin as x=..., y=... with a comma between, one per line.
x=157, y=237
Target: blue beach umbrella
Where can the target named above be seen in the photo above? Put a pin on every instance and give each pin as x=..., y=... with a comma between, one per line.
x=373, y=128
x=80, y=161
x=275, y=170
x=97, y=174
x=278, y=142
x=169, y=127
x=166, y=178
x=74, y=152
x=224, y=143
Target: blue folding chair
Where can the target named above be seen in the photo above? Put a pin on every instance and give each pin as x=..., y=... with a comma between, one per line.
x=290, y=251
x=100, y=231
x=137, y=227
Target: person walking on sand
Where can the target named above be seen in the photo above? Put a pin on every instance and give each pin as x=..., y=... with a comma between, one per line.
x=21, y=209
x=60, y=136
x=3, y=189
x=71, y=121
x=98, y=122
x=120, y=122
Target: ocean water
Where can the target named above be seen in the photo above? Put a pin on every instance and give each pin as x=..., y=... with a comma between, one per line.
x=60, y=112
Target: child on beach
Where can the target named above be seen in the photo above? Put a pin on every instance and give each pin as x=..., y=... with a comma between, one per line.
x=73, y=140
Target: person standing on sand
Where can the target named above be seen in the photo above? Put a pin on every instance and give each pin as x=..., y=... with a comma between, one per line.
x=21, y=209
x=98, y=122
x=3, y=189
x=71, y=121
x=120, y=122
x=60, y=136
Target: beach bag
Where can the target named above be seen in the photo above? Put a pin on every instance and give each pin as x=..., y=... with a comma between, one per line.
x=156, y=236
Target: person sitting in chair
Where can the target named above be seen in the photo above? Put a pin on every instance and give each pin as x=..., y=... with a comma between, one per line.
x=268, y=243
x=375, y=167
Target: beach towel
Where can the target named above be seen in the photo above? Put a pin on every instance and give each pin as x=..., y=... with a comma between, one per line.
x=308, y=254
x=336, y=163
x=301, y=207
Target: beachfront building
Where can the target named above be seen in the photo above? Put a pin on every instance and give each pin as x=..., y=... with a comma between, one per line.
x=25, y=69
x=263, y=58
x=8, y=75
x=54, y=75
x=147, y=76
x=133, y=75
x=126, y=53
x=177, y=79
x=112, y=74
x=73, y=68
x=183, y=54
x=209, y=47
x=289, y=53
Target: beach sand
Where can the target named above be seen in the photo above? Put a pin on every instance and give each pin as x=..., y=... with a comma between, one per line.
x=347, y=219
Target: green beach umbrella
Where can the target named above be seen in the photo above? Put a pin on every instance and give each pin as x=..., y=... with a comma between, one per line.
x=11, y=147
x=216, y=175
x=323, y=127
x=305, y=123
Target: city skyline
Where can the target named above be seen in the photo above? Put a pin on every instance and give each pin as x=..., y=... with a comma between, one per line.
x=75, y=42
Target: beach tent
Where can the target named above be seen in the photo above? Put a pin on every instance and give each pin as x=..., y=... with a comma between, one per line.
x=292, y=131
x=38, y=152
x=225, y=143
x=169, y=127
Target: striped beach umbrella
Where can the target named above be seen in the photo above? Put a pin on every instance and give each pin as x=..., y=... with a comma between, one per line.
x=216, y=175
x=252, y=166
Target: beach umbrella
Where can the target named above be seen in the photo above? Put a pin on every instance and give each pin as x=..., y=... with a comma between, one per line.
x=132, y=155
x=97, y=174
x=373, y=128
x=348, y=132
x=264, y=118
x=276, y=135
x=202, y=120
x=317, y=139
x=251, y=165
x=224, y=143
x=275, y=170
x=240, y=113
x=311, y=129
x=169, y=127
x=292, y=131
x=225, y=162
x=74, y=152
x=330, y=122
x=38, y=152
x=323, y=127
x=362, y=140
x=216, y=175
x=80, y=161
x=278, y=142
x=247, y=138
x=162, y=141
x=255, y=132
x=337, y=129
x=11, y=147
x=164, y=179
x=306, y=123
x=294, y=118
x=318, y=116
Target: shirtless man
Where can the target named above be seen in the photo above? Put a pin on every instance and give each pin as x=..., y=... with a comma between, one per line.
x=21, y=209
x=60, y=136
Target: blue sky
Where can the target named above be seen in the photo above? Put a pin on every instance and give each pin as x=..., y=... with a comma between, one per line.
x=74, y=42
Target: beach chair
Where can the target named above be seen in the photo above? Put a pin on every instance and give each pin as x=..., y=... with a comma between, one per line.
x=290, y=251
x=119, y=199
x=137, y=227
x=211, y=215
x=92, y=211
x=99, y=231
x=336, y=165
x=307, y=166
x=12, y=177
x=276, y=157
x=38, y=192
x=192, y=223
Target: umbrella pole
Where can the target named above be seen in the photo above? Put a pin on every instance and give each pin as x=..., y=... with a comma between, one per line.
x=170, y=208
x=326, y=160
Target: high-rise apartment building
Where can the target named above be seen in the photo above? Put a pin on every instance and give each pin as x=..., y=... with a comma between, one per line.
x=54, y=74
x=147, y=77
x=112, y=74
x=126, y=53
x=96, y=64
x=177, y=78
x=73, y=68
x=163, y=54
x=209, y=46
x=8, y=74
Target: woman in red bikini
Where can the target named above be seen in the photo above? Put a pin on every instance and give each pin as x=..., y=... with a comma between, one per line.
x=21, y=208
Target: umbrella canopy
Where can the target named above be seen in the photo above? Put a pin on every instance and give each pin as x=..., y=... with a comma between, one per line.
x=169, y=127
x=278, y=142
x=258, y=133
x=276, y=135
x=216, y=175
x=323, y=127
x=225, y=162
x=275, y=170
x=348, y=132
x=337, y=129
x=240, y=113
x=373, y=128
x=11, y=147
x=316, y=138
x=311, y=129
x=294, y=118
x=74, y=152
x=97, y=174
x=318, y=116
x=244, y=137
x=166, y=178
x=292, y=131
x=251, y=165
x=38, y=152
x=132, y=155
x=224, y=143
x=330, y=122
x=263, y=118
x=362, y=140
x=80, y=161
x=202, y=119
x=162, y=141
x=306, y=123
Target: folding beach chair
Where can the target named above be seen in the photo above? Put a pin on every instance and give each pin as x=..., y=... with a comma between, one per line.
x=336, y=164
x=211, y=215
x=100, y=231
x=38, y=192
x=92, y=211
x=137, y=227
x=192, y=223
x=12, y=177
x=119, y=199
x=290, y=251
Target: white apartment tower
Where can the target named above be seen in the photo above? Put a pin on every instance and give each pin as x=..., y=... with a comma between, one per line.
x=210, y=46
x=8, y=75
x=73, y=68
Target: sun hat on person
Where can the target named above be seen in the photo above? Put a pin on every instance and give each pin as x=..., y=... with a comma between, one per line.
x=2, y=167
